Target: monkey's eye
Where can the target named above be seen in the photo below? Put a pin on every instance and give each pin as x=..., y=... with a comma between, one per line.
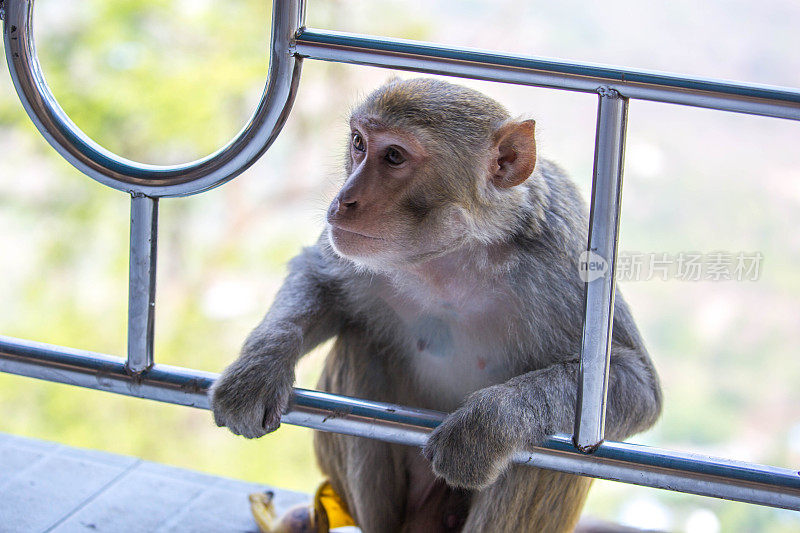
x=394, y=157
x=358, y=142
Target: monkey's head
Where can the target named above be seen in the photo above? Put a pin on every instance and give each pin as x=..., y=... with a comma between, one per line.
x=431, y=167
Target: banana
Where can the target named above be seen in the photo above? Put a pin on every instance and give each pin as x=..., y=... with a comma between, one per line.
x=299, y=519
x=328, y=511
x=263, y=510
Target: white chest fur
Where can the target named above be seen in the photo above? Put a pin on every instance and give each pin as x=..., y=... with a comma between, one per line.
x=455, y=343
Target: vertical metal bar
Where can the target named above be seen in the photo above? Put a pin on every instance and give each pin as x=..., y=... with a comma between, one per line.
x=142, y=282
x=597, y=269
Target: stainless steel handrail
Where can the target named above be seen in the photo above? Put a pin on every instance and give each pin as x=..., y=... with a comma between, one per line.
x=630, y=463
x=153, y=180
x=778, y=102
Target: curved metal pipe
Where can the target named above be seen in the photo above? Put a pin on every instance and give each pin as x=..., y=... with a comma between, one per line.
x=153, y=180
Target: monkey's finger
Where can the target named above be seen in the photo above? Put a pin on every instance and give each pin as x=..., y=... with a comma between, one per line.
x=219, y=420
x=248, y=431
x=271, y=420
x=428, y=452
x=434, y=443
x=253, y=433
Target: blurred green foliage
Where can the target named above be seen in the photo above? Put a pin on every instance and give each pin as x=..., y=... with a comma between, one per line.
x=155, y=81
x=167, y=81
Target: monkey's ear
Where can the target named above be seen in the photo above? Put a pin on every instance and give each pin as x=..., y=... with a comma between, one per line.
x=515, y=153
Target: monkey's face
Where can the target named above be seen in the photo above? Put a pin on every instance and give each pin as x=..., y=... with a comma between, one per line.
x=390, y=210
x=430, y=168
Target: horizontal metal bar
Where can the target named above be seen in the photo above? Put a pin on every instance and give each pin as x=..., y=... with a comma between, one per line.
x=94, y=370
x=431, y=58
x=617, y=461
x=142, y=282
x=152, y=180
x=601, y=253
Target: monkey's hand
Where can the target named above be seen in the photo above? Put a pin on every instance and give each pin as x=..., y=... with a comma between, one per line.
x=251, y=395
x=475, y=444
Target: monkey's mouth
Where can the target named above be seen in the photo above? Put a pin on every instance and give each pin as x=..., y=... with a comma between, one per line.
x=353, y=244
x=338, y=231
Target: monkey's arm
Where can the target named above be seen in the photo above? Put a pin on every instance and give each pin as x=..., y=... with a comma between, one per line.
x=253, y=392
x=474, y=445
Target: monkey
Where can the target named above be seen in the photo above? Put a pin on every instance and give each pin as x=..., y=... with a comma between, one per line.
x=447, y=272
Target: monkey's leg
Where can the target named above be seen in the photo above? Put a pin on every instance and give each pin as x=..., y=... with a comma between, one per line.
x=368, y=476
x=432, y=506
x=527, y=499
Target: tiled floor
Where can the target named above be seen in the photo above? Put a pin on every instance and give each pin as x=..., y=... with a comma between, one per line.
x=45, y=486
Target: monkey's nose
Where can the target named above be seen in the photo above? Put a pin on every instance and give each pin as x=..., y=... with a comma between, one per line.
x=344, y=204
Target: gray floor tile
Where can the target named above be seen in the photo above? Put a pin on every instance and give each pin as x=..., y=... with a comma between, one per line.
x=15, y=459
x=227, y=509
x=46, y=485
x=138, y=502
x=97, y=456
x=34, y=444
x=189, y=476
x=41, y=495
x=214, y=510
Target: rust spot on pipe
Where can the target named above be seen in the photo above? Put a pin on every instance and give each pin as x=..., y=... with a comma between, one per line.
x=337, y=413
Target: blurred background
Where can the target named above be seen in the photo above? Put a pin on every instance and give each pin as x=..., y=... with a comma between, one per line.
x=168, y=81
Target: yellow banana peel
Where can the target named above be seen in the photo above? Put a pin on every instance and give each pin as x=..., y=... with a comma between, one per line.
x=328, y=511
x=263, y=510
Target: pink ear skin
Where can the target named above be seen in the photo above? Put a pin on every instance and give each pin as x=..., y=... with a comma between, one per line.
x=515, y=146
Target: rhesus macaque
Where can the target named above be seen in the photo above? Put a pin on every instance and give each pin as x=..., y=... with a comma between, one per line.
x=448, y=273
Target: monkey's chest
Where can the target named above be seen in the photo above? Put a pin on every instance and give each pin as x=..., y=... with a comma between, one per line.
x=448, y=354
x=451, y=356
x=450, y=346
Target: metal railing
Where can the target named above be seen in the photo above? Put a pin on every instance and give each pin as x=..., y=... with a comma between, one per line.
x=583, y=453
